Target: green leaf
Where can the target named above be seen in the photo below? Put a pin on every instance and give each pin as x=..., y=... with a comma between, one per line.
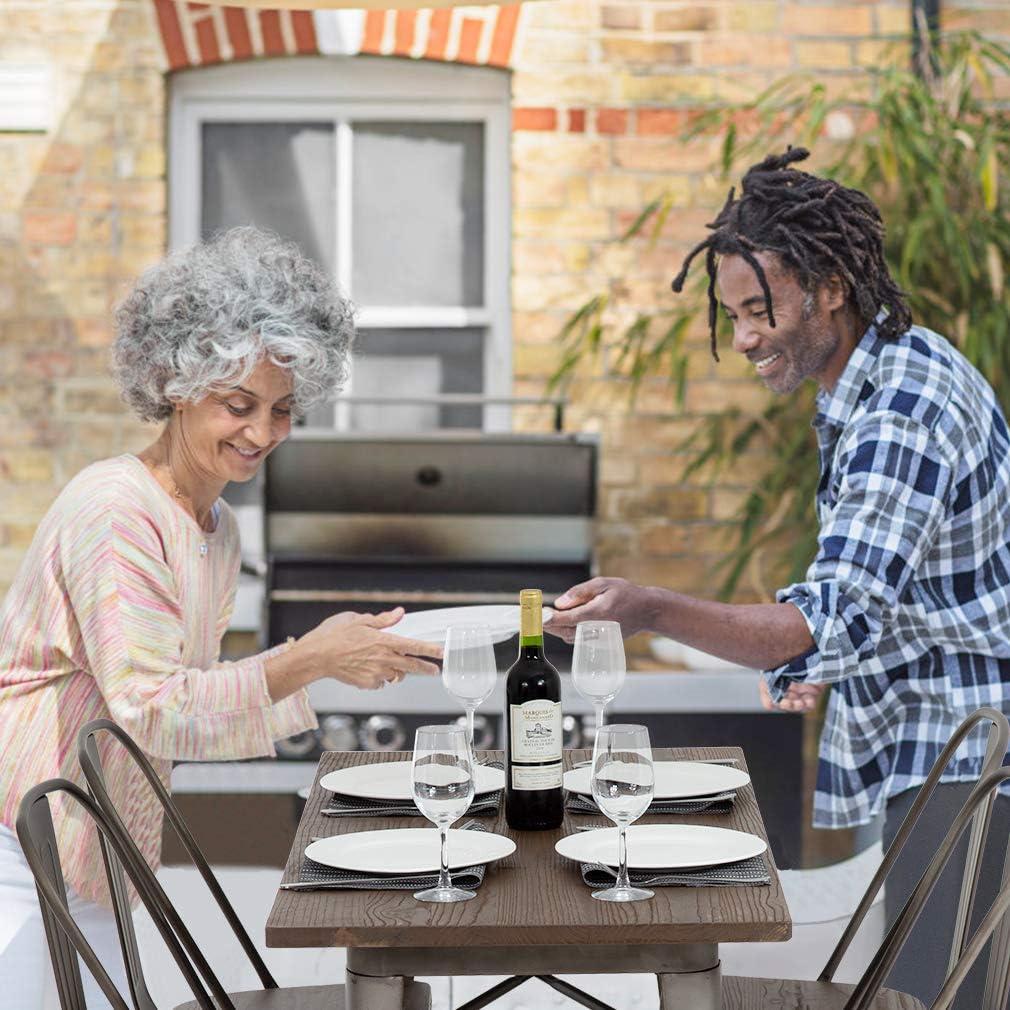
x=990, y=179
x=936, y=162
x=639, y=223
x=728, y=146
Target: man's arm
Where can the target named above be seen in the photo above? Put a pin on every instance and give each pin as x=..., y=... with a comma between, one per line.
x=895, y=476
x=745, y=634
x=762, y=635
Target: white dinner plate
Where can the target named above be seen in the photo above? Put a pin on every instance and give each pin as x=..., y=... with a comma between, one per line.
x=390, y=780
x=408, y=850
x=663, y=846
x=431, y=625
x=675, y=780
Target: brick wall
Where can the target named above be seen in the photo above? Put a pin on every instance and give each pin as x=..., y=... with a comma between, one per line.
x=82, y=210
x=990, y=17
x=599, y=92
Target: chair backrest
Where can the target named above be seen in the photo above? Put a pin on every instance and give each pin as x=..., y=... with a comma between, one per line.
x=122, y=907
x=91, y=764
x=995, y=920
x=66, y=941
x=996, y=749
x=977, y=809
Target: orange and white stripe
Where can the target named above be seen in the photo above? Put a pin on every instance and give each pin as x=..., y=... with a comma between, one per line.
x=478, y=35
x=200, y=34
x=197, y=34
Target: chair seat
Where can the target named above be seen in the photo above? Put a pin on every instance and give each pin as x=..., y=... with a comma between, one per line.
x=740, y=993
x=313, y=997
x=303, y=997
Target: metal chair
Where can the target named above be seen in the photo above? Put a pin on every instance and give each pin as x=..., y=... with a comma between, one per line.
x=271, y=996
x=34, y=827
x=741, y=993
x=996, y=923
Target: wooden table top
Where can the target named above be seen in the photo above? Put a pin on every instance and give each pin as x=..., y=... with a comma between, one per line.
x=532, y=897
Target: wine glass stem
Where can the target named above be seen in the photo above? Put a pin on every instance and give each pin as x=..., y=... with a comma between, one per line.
x=469, y=727
x=444, y=880
x=622, y=871
x=599, y=713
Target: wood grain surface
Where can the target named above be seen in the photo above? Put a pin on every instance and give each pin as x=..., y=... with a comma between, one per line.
x=532, y=897
x=764, y=993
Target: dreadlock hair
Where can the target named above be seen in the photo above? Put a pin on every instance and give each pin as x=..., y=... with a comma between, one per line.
x=818, y=227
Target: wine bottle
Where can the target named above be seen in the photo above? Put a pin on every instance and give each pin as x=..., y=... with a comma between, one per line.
x=532, y=727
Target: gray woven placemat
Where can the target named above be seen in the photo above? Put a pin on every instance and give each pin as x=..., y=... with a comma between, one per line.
x=719, y=803
x=355, y=806
x=746, y=871
x=313, y=876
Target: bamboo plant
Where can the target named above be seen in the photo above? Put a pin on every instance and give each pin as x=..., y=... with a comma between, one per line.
x=932, y=148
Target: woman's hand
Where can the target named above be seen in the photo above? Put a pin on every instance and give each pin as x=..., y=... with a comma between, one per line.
x=353, y=648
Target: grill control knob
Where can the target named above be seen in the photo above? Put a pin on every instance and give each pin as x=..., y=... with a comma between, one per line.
x=338, y=732
x=382, y=732
x=298, y=746
x=429, y=476
x=483, y=731
x=571, y=732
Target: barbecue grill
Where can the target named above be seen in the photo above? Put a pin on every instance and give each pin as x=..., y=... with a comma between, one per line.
x=445, y=519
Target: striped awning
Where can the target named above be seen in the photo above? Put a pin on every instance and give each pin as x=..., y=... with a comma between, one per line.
x=351, y=4
x=201, y=34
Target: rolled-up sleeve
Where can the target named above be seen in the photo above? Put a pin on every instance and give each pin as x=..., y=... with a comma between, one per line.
x=893, y=482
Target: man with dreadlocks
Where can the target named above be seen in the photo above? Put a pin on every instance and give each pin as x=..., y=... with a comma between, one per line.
x=904, y=614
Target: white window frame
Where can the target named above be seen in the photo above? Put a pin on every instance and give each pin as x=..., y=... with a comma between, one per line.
x=341, y=89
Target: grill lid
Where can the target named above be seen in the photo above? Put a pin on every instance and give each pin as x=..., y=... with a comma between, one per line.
x=319, y=471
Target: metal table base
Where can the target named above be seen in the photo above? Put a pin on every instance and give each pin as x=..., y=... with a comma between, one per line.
x=688, y=974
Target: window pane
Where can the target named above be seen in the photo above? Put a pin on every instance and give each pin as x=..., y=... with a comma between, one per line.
x=418, y=218
x=279, y=176
x=416, y=363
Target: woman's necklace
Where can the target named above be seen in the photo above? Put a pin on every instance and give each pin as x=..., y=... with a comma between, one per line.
x=184, y=500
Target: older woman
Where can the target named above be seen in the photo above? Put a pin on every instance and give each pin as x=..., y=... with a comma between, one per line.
x=121, y=601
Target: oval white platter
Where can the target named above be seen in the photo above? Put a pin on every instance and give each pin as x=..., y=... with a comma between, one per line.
x=431, y=625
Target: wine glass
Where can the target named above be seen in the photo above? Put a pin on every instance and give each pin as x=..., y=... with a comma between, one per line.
x=469, y=669
x=623, y=786
x=598, y=663
x=442, y=777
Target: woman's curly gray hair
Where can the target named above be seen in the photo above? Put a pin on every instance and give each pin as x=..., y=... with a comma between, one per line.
x=204, y=317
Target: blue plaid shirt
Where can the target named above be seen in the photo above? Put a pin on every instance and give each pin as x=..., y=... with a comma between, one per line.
x=908, y=598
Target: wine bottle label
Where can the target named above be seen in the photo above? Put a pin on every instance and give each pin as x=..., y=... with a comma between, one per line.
x=540, y=777
x=536, y=731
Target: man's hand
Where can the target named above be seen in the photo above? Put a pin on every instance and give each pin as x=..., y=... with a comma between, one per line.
x=799, y=697
x=601, y=600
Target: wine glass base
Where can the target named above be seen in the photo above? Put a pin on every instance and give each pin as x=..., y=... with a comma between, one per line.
x=444, y=894
x=623, y=894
